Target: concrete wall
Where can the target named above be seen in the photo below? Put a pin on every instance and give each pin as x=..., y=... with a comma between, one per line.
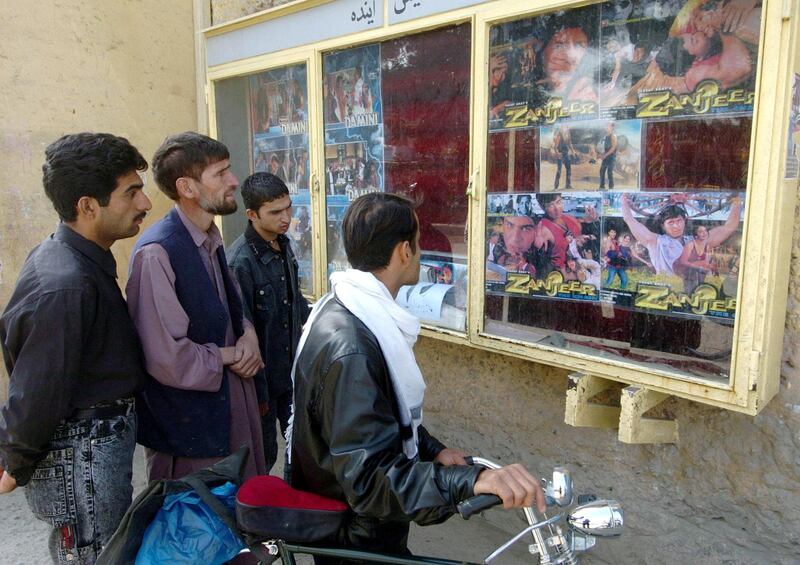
x=125, y=67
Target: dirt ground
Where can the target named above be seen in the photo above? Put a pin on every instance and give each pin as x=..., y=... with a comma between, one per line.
x=24, y=539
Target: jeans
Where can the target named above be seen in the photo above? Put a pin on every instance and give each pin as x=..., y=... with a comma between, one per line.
x=623, y=276
x=280, y=409
x=563, y=158
x=83, y=487
x=607, y=168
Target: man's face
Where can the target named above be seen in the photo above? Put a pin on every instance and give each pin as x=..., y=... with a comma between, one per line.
x=674, y=227
x=518, y=234
x=217, y=187
x=697, y=43
x=273, y=218
x=555, y=209
x=125, y=210
x=565, y=50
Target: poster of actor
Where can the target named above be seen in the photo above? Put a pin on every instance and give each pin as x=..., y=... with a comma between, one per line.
x=545, y=68
x=592, y=155
x=354, y=144
x=655, y=51
x=673, y=253
x=278, y=101
x=550, y=252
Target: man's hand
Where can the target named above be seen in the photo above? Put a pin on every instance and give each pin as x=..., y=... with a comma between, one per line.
x=449, y=457
x=7, y=482
x=247, y=358
x=514, y=485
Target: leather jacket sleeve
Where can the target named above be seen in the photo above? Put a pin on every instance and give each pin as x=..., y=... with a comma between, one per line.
x=429, y=446
x=360, y=426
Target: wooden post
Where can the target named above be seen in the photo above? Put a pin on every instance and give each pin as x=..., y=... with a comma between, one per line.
x=633, y=428
x=579, y=411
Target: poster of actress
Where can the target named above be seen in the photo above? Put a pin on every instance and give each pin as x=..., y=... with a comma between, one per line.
x=544, y=69
x=674, y=253
x=666, y=58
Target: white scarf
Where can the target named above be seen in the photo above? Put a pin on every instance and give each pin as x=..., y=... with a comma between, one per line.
x=396, y=331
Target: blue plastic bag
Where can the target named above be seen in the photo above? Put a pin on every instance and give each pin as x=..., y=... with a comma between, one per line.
x=186, y=530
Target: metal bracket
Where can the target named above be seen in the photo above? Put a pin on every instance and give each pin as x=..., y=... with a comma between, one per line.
x=634, y=428
x=579, y=411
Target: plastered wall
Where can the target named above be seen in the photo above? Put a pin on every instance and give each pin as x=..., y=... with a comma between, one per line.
x=728, y=492
x=125, y=67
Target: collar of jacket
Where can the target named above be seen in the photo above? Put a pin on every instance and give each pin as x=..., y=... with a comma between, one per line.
x=261, y=248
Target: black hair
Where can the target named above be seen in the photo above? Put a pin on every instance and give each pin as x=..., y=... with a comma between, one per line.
x=259, y=188
x=669, y=212
x=373, y=225
x=546, y=198
x=86, y=164
x=185, y=154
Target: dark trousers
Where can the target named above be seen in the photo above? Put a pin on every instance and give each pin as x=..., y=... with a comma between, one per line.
x=280, y=409
x=563, y=158
x=607, y=167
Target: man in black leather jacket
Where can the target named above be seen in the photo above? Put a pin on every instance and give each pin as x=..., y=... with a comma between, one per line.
x=357, y=433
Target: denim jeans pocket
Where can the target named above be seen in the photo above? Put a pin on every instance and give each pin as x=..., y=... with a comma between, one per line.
x=50, y=491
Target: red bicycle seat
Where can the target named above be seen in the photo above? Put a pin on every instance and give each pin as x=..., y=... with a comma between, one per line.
x=268, y=507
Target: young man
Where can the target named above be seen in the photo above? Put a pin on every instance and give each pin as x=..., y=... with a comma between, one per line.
x=608, y=158
x=357, y=434
x=201, y=353
x=264, y=264
x=72, y=353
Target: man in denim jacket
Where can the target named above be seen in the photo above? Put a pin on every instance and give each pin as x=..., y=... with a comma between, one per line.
x=264, y=264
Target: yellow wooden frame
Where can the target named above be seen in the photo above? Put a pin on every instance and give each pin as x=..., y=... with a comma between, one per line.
x=762, y=293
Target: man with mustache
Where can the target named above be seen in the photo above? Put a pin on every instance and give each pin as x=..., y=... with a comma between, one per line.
x=72, y=353
x=264, y=264
x=199, y=403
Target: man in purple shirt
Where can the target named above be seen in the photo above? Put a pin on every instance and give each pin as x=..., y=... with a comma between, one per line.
x=201, y=353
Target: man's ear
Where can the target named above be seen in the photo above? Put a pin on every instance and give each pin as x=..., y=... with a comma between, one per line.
x=252, y=215
x=184, y=187
x=87, y=206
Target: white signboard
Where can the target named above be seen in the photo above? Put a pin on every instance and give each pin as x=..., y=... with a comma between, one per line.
x=404, y=10
x=333, y=19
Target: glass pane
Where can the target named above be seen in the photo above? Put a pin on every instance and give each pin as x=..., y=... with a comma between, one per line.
x=397, y=119
x=279, y=125
x=622, y=236
x=263, y=119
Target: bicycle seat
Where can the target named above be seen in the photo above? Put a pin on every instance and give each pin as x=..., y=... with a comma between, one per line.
x=269, y=508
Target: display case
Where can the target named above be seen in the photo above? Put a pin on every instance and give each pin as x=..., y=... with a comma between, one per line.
x=607, y=187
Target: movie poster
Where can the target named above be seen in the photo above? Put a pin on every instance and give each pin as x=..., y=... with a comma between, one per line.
x=594, y=155
x=279, y=122
x=545, y=69
x=672, y=253
x=663, y=58
x=545, y=245
x=440, y=295
x=353, y=136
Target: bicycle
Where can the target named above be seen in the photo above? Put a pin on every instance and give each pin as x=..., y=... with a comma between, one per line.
x=272, y=532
